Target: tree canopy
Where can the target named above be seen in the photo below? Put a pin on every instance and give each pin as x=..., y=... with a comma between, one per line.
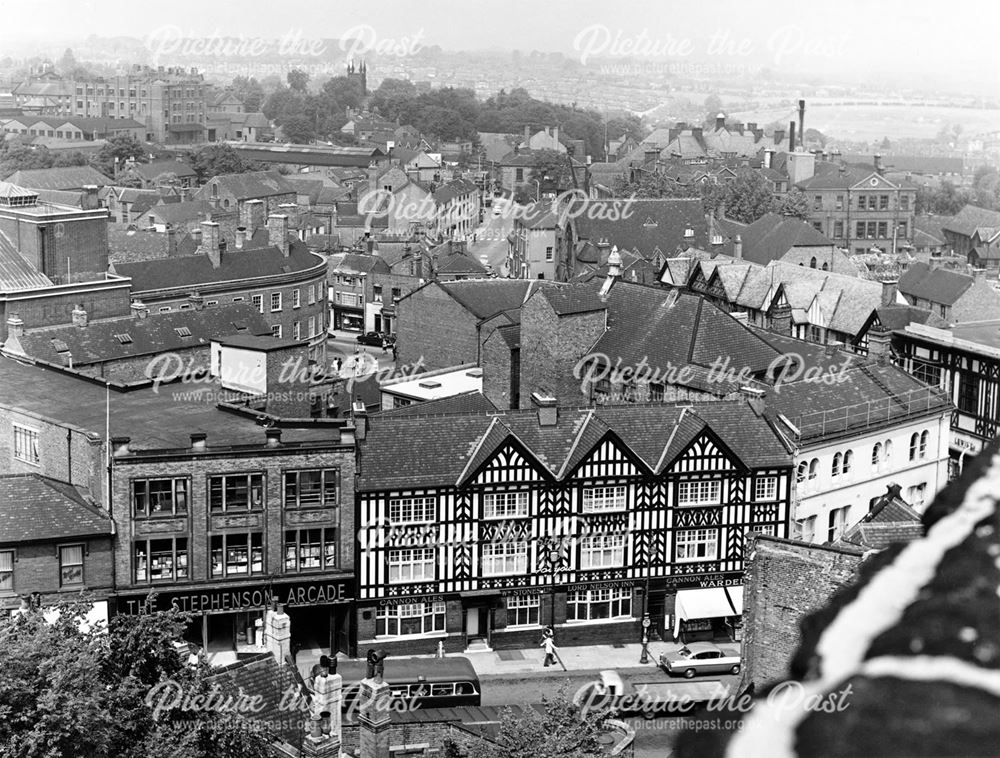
x=213, y=160
x=121, y=147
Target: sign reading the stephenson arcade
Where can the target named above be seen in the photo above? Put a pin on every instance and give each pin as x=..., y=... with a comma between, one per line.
x=245, y=598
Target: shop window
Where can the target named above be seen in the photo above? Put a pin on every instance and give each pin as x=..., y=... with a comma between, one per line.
x=163, y=560
x=236, y=492
x=523, y=610
x=237, y=554
x=410, y=619
x=310, y=549
x=599, y=604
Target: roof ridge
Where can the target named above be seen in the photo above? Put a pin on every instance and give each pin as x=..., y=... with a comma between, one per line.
x=572, y=448
x=475, y=451
x=673, y=433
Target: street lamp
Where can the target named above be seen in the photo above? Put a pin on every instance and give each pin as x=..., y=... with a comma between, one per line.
x=553, y=558
x=538, y=190
x=644, y=658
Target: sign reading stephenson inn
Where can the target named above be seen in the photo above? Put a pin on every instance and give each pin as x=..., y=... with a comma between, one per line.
x=243, y=598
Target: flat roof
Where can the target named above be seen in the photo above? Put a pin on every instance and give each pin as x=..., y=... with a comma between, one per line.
x=153, y=419
x=983, y=336
x=434, y=386
x=263, y=342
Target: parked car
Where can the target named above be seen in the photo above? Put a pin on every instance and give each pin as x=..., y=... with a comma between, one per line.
x=701, y=658
x=378, y=339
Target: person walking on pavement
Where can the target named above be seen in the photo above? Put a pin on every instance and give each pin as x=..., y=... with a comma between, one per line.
x=549, y=645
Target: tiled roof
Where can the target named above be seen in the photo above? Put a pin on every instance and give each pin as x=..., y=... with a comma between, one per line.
x=938, y=285
x=156, y=168
x=487, y=297
x=193, y=270
x=252, y=184
x=897, y=316
x=914, y=164
x=428, y=450
x=63, y=178
x=181, y=212
x=569, y=300
x=266, y=683
x=459, y=263
x=131, y=246
x=645, y=225
x=356, y=263
x=468, y=402
x=908, y=649
x=157, y=333
x=970, y=218
x=771, y=236
x=36, y=507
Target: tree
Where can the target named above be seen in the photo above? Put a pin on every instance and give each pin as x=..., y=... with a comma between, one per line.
x=215, y=160
x=67, y=62
x=652, y=186
x=560, y=731
x=250, y=92
x=388, y=99
x=21, y=157
x=794, y=203
x=713, y=107
x=298, y=129
x=72, y=691
x=746, y=198
x=298, y=80
x=116, y=151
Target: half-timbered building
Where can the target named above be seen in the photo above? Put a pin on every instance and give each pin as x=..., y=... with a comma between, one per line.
x=484, y=528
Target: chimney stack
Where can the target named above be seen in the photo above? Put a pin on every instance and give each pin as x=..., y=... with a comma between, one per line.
x=241, y=237
x=791, y=137
x=738, y=248
x=120, y=446
x=79, y=316
x=252, y=216
x=171, y=242
x=139, y=310
x=720, y=121
x=197, y=301
x=802, y=122
x=210, y=242
x=768, y=158
x=198, y=441
x=548, y=408
x=889, y=290
x=273, y=437
x=90, y=197
x=879, y=343
x=779, y=137
x=277, y=232
x=614, y=271
x=527, y=135
x=15, y=326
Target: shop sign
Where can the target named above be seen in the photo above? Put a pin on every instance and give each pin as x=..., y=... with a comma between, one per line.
x=961, y=442
x=704, y=581
x=600, y=586
x=244, y=598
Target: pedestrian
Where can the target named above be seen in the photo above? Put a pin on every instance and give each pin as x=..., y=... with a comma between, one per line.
x=385, y=346
x=549, y=646
x=394, y=351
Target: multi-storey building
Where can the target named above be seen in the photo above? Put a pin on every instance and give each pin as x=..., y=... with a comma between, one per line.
x=263, y=266
x=217, y=515
x=490, y=526
x=532, y=244
x=858, y=209
x=171, y=102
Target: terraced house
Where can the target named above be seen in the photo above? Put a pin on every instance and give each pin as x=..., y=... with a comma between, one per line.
x=482, y=528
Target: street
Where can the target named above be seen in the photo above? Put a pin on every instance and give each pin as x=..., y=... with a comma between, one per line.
x=491, y=240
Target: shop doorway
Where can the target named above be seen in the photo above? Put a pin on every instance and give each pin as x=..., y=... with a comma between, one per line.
x=310, y=628
x=477, y=624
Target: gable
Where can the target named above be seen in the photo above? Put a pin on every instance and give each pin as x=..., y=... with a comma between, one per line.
x=874, y=182
x=510, y=462
x=608, y=459
x=705, y=453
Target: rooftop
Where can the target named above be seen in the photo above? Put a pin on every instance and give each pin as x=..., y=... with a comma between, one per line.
x=36, y=507
x=437, y=384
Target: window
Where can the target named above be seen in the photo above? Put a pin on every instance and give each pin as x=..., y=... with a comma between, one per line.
x=310, y=295
x=505, y=504
x=276, y=330
x=26, y=444
x=410, y=619
x=258, y=302
x=602, y=551
x=883, y=202
x=275, y=301
x=411, y=565
x=840, y=202
x=755, y=529
x=236, y=492
x=523, y=610
x=6, y=571
x=163, y=560
x=862, y=202
x=882, y=231
x=603, y=499
x=296, y=298
x=812, y=261
x=159, y=497
x=887, y=452
x=699, y=492
x=835, y=467
x=519, y=174
x=861, y=229
x=318, y=488
x=504, y=558
x=297, y=330
x=308, y=549
x=837, y=523
x=412, y=510
x=813, y=469
x=594, y=605
x=838, y=229
x=914, y=441
x=71, y=566
x=397, y=293
x=377, y=293
x=697, y=545
x=904, y=202
x=924, y=437
x=549, y=255
x=915, y=495
x=876, y=454
x=237, y=554
x=872, y=202
x=807, y=529
x=848, y=462
x=765, y=488
x=801, y=471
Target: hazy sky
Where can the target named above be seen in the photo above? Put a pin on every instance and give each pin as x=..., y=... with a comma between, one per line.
x=891, y=37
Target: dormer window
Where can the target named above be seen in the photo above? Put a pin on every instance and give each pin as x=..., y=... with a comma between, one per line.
x=716, y=239
x=688, y=233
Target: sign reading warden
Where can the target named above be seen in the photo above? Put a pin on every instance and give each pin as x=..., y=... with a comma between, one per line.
x=243, y=598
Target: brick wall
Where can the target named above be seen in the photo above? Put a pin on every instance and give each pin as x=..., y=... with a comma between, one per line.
x=37, y=568
x=432, y=326
x=453, y=643
x=496, y=357
x=785, y=581
x=273, y=519
x=52, y=307
x=67, y=454
x=128, y=370
x=551, y=345
x=432, y=733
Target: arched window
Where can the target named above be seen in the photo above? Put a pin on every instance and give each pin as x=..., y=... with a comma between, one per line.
x=835, y=469
x=848, y=461
x=813, y=468
x=812, y=262
x=913, y=445
x=887, y=448
x=876, y=453
x=924, y=436
x=225, y=203
x=800, y=472
x=826, y=267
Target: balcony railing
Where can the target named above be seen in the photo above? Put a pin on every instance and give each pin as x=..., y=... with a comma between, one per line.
x=872, y=413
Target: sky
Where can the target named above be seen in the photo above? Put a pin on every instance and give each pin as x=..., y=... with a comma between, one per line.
x=890, y=38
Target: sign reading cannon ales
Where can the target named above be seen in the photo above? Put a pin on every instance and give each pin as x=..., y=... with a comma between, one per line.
x=243, y=597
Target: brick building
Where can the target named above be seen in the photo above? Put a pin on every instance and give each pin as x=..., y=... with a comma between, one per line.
x=486, y=527
x=233, y=191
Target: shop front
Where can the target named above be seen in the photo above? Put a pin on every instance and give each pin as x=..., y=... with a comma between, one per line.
x=962, y=446
x=348, y=319
x=705, y=608
x=230, y=618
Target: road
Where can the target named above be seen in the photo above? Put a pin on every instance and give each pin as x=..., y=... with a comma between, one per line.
x=491, y=240
x=653, y=737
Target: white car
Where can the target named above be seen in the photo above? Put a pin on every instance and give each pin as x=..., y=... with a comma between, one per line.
x=701, y=658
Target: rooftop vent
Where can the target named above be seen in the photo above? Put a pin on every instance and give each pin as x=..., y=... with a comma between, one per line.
x=475, y=373
x=429, y=384
x=182, y=331
x=59, y=346
x=688, y=233
x=124, y=339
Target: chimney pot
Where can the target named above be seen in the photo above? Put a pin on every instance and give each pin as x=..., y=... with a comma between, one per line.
x=738, y=248
x=79, y=316
x=241, y=237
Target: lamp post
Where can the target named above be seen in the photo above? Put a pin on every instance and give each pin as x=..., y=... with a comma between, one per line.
x=553, y=565
x=538, y=190
x=644, y=658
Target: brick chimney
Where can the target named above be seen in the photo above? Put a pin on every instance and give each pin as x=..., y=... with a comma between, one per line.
x=241, y=237
x=781, y=320
x=89, y=200
x=79, y=316
x=720, y=121
x=278, y=634
x=374, y=718
x=171, y=242
x=277, y=232
x=197, y=301
x=199, y=441
x=210, y=242
x=120, y=446
x=272, y=437
x=548, y=408
x=527, y=135
x=738, y=248
x=325, y=727
x=879, y=343
x=15, y=327
x=252, y=216
x=139, y=310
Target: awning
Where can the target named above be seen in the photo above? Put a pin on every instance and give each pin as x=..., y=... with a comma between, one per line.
x=707, y=603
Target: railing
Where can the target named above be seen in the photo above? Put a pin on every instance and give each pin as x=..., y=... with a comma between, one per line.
x=871, y=413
